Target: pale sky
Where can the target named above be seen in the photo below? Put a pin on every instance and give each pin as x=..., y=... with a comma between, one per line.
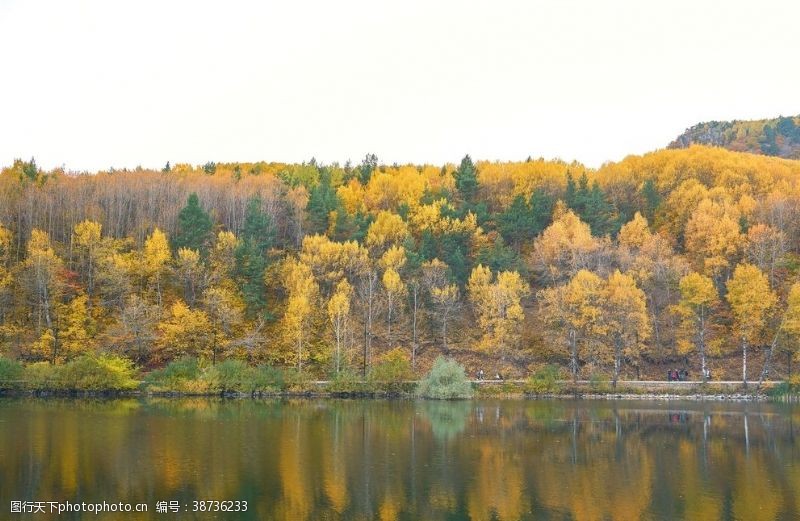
x=94, y=84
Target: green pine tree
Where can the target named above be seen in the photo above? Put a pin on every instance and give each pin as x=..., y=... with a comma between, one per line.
x=466, y=176
x=321, y=202
x=251, y=256
x=194, y=226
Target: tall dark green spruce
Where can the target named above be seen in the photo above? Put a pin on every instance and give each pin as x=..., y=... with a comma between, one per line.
x=194, y=226
x=321, y=202
x=466, y=177
x=251, y=257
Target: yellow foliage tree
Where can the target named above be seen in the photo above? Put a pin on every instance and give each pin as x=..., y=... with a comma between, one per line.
x=497, y=304
x=445, y=296
x=43, y=283
x=712, y=237
x=191, y=273
x=86, y=238
x=338, y=314
x=698, y=301
x=625, y=319
x=388, y=229
x=573, y=311
x=155, y=259
x=751, y=301
x=77, y=328
x=184, y=331
x=565, y=247
x=225, y=312
x=6, y=283
x=301, y=304
x=394, y=289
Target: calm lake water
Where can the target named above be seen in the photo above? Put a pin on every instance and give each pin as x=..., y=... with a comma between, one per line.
x=373, y=459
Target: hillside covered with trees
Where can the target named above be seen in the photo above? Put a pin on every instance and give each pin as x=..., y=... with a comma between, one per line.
x=683, y=257
x=773, y=137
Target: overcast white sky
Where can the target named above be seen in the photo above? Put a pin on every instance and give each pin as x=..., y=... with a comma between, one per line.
x=94, y=84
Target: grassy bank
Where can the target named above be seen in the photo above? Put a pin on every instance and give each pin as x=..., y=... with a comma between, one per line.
x=390, y=377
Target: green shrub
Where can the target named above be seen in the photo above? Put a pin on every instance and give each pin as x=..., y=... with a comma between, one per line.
x=792, y=386
x=267, y=379
x=41, y=376
x=446, y=380
x=545, y=381
x=96, y=373
x=598, y=383
x=391, y=371
x=298, y=382
x=229, y=376
x=348, y=381
x=10, y=374
x=500, y=389
x=180, y=376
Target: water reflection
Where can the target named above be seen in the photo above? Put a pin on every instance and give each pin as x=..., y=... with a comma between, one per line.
x=339, y=459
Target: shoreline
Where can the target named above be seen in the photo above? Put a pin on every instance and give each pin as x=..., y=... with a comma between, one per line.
x=759, y=396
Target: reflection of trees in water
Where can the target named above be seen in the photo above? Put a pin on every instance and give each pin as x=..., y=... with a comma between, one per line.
x=447, y=418
x=311, y=459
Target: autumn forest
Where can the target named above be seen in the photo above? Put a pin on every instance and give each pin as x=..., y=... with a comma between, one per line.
x=681, y=257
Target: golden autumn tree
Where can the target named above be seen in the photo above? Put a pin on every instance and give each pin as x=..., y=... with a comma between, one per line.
x=222, y=259
x=155, y=260
x=565, y=247
x=395, y=290
x=445, y=296
x=225, y=311
x=42, y=281
x=134, y=332
x=751, y=301
x=338, y=313
x=625, y=319
x=713, y=237
x=388, y=229
x=497, y=302
x=77, y=328
x=6, y=285
x=791, y=320
x=573, y=312
x=184, y=332
x=191, y=273
x=87, y=241
x=303, y=293
x=695, y=308
x=765, y=247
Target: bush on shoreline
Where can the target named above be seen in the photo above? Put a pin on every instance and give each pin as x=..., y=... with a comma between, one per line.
x=446, y=380
x=545, y=381
x=191, y=376
x=11, y=372
x=101, y=373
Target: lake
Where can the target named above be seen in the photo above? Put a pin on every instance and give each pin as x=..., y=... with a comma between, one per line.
x=384, y=459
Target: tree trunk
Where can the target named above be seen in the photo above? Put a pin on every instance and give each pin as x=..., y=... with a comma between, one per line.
x=617, y=361
x=573, y=356
x=765, y=370
x=300, y=353
x=768, y=359
x=414, y=332
x=702, y=342
x=338, y=328
x=789, y=362
x=744, y=362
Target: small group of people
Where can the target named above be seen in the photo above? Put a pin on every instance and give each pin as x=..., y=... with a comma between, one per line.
x=675, y=375
x=480, y=375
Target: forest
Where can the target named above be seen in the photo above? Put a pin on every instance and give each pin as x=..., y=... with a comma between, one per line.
x=681, y=257
x=773, y=137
